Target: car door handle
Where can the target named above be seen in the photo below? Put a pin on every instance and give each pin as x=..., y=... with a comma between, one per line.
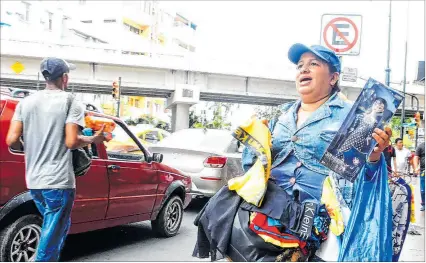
x=114, y=168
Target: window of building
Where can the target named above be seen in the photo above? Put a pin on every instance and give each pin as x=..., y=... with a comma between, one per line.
x=134, y=30
x=50, y=21
x=27, y=11
x=137, y=103
x=65, y=20
x=110, y=21
x=21, y=16
x=157, y=108
x=147, y=7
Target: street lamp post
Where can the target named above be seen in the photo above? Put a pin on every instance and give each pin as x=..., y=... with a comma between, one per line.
x=405, y=74
x=389, y=41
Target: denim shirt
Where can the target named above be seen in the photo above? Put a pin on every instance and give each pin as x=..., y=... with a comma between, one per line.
x=309, y=142
x=298, y=181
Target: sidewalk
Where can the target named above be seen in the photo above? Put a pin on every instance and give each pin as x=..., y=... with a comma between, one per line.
x=414, y=246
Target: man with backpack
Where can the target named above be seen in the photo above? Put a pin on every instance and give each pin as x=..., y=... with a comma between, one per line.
x=50, y=122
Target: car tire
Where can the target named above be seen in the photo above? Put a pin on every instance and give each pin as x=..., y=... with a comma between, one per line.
x=22, y=237
x=169, y=219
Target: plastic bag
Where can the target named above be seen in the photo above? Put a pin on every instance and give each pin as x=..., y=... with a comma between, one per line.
x=413, y=213
x=368, y=236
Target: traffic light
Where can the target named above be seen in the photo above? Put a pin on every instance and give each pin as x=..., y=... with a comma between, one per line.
x=115, y=90
x=417, y=118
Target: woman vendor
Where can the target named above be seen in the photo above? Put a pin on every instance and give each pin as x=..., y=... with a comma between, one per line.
x=301, y=135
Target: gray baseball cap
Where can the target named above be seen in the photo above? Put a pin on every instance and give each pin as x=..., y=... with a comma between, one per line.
x=54, y=68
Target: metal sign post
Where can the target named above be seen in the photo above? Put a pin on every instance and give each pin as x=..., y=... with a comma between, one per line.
x=38, y=81
x=388, y=70
x=119, y=97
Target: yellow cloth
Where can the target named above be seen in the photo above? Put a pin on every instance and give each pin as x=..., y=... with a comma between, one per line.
x=413, y=214
x=333, y=208
x=277, y=242
x=252, y=185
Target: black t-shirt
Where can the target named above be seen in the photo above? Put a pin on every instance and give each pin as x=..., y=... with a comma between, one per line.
x=389, y=152
x=420, y=151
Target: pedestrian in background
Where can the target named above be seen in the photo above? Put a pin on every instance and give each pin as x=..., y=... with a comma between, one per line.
x=403, y=157
x=50, y=128
x=420, y=170
x=389, y=154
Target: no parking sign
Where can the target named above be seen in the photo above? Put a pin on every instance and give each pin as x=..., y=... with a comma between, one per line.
x=341, y=33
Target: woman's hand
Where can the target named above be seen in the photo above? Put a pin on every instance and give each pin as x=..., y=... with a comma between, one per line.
x=382, y=139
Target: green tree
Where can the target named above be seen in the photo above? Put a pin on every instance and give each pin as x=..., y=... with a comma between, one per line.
x=196, y=121
x=267, y=112
x=220, y=111
x=395, y=125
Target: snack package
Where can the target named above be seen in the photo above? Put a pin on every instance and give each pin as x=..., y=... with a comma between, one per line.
x=90, y=132
x=353, y=143
x=96, y=123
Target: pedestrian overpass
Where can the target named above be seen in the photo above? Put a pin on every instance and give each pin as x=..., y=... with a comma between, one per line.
x=183, y=80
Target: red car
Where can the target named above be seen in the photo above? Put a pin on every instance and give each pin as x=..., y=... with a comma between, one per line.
x=121, y=187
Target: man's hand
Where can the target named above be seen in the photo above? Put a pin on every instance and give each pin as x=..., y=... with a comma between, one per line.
x=417, y=171
x=382, y=139
x=99, y=136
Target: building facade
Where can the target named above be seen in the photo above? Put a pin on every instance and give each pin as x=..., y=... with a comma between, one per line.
x=136, y=28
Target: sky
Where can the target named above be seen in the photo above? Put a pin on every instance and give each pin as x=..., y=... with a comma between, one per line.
x=263, y=31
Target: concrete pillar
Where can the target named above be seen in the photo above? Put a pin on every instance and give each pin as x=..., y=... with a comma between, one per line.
x=180, y=116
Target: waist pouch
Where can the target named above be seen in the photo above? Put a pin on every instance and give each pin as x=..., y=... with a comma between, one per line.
x=247, y=246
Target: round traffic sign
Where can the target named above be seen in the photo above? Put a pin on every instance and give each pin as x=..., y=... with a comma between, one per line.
x=349, y=44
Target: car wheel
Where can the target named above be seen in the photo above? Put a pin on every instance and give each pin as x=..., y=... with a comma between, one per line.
x=19, y=240
x=168, y=221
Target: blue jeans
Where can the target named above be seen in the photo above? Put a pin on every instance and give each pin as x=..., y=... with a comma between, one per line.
x=55, y=206
x=422, y=186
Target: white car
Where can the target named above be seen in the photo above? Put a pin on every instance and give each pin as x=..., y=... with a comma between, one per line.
x=210, y=157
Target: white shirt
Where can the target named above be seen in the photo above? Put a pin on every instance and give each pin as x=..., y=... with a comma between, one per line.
x=402, y=159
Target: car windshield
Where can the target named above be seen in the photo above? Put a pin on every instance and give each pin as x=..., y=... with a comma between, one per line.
x=120, y=135
x=216, y=140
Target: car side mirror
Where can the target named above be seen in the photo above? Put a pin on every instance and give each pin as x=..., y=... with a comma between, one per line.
x=157, y=157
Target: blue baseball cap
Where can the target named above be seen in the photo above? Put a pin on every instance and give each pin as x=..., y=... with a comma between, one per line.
x=297, y=50
x=54, y=68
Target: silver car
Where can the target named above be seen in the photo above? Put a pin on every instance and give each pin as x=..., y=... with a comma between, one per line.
x=210, y=157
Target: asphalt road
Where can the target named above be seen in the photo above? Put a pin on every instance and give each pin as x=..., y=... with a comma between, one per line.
x=136, y=242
